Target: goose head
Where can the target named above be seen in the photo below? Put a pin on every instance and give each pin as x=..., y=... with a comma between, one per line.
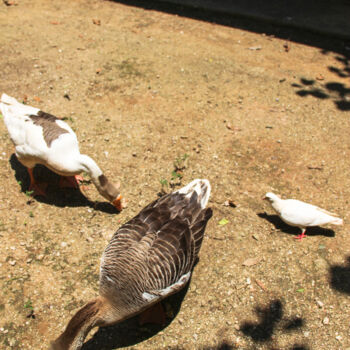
x=110, y=191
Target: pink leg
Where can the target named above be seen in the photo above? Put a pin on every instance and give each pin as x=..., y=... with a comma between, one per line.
x=37, y=190
x=301, y=236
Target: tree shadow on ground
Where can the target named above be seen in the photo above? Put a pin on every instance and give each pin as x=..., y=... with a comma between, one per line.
x=222, y=345
x=129, y=332
x=271, y=321
x=227, y=345
x=282, y=226
x=340, y=277
x=258, y=24
x=338, y=92
x=66, y=197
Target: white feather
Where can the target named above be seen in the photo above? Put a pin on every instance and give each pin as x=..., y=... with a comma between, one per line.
x=201, y=186
x=301, y=214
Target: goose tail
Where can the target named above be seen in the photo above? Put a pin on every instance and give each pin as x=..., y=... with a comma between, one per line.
x=201, y=187
x=10, y=107
x=8, y=100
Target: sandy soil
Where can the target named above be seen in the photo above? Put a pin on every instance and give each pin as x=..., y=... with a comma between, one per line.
x=145, y=90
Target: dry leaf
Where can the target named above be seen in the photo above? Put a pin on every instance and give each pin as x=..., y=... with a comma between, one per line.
x=233, y=128
x=320, y=77
x=37, y=99
x=314, y=167
x=55, y=22
x=255, y=48
x=261, y=285
x=96, y=21
x=10, y=3
x=251, y=261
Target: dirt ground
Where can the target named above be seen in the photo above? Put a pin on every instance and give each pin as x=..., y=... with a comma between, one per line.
x=158, y=100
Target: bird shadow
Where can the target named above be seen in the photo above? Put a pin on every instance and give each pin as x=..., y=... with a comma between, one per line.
x=60, y=197
x=292, y=230
x=129, y=332
x=340, y=277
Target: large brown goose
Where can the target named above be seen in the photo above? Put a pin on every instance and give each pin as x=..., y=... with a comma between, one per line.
x=41, y=138
x=149, y=258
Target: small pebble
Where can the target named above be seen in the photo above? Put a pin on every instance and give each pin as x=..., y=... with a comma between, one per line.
x=63, y=244
x=319, y=303
x=325, y=320
x=12, y=262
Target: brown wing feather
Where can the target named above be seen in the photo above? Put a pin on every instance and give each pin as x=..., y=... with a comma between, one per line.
x=175, y=249
x=162, y=242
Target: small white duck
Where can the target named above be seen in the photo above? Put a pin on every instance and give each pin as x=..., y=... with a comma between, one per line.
x=149, y=258
x=41, y=138
x=297, y=213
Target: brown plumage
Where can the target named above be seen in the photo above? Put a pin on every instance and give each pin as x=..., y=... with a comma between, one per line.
x=149, y=258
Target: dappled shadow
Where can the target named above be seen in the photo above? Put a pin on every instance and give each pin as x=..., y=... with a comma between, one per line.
x=222, y=345
x=270, y=321
x=299, y=347
x=338, y=92
x=269, y=317
x=292, y=230
x=269, y=18
x=60, y=197
x=129, y=332
x=340, y=277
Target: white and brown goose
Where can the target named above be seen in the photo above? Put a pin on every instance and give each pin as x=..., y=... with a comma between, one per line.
x=41, y=138
x=149, y=258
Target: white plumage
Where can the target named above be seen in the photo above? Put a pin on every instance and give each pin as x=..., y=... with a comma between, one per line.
x=297, y=213
x=41, y=138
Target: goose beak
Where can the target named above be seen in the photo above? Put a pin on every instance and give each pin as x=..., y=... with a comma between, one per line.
x=264, y=198
x=118, y=203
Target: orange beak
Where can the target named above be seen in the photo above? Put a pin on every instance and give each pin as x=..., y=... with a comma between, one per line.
x=118, y=203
